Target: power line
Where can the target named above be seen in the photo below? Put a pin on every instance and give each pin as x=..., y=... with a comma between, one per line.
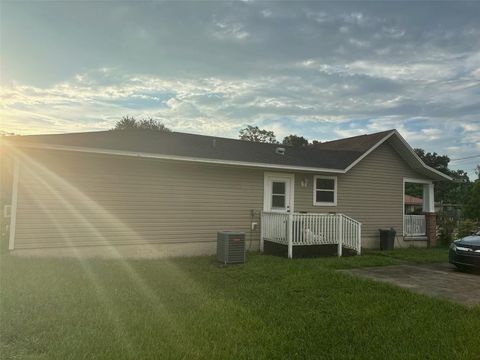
x=464, y=158
x=468, y=162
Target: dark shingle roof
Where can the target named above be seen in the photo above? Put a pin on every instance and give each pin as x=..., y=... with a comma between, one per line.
x=336, y=155
x=356, y=143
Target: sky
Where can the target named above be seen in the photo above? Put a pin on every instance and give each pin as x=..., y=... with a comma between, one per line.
x=322, y=70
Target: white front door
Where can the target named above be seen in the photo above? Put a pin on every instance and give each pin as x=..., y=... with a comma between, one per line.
x=278, y=192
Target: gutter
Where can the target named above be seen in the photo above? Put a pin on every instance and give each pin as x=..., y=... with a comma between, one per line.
x=180, y=158
x=241, y=163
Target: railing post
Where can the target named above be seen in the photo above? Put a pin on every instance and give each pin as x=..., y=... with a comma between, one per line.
x=359, y=251
x=262, y=230
x=340, y=233
x=290, y=235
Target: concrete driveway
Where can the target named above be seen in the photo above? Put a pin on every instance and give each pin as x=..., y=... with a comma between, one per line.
x=440, y=280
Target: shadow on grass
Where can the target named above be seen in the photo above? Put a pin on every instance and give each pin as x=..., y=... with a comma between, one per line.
x=270, y=307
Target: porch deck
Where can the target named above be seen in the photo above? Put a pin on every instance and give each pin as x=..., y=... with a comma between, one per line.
x=310, y=232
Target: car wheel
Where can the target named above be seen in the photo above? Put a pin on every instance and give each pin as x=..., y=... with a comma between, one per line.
x=463, y=268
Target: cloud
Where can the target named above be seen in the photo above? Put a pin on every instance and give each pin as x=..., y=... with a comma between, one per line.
x=226, y=29
x=356, y=18
x=266, y=13
x=318, y=69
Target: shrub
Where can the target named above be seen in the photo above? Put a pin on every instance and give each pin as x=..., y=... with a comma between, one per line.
x=447, y=226
x=466, y=228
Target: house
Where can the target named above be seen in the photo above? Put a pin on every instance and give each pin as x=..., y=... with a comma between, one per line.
x=413, y=204
x=144, y=193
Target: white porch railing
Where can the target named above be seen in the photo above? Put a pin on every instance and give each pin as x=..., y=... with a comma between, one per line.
x=311, y=229
x=414, y=225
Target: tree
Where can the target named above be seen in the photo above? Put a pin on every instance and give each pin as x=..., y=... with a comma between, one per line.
x=471, y=209
x=130, y=123
x=150, y=124
x=126, y=123
x=434, y=160
x=295, y=141
x=255, y=134
x=453, y=192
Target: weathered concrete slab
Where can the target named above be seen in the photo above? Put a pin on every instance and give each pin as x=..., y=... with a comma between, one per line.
x=439, y=280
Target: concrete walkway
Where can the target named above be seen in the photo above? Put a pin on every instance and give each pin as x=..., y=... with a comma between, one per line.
x=440, y=280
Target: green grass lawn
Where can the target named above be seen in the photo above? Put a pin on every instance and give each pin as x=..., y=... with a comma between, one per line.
x=193, y=308
x=439, y=254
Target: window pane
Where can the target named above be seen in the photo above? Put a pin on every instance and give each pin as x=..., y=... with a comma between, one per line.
x=325, y=196
x=278, y=201
x=326, y=184
x=278, y=188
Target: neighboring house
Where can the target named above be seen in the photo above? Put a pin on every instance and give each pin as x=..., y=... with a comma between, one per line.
x=145, y=193
x=413, y=205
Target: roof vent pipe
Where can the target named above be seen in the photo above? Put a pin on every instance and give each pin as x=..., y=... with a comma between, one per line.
x=280, y=150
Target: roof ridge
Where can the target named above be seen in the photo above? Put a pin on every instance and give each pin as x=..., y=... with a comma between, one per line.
x=163, y=133
x=319, y=145
x=358, y=136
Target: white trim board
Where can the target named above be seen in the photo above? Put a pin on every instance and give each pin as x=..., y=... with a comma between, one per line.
x=407, y=145
x=244, y=163
x=369, y=151
x=416, y=181
x=182, y=158
x=335, y=190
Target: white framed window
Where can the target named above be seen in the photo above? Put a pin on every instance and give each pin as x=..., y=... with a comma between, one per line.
x=324, y=190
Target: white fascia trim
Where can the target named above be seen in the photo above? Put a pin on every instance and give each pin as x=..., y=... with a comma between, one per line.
x=417, y=181
x=407, y=145
x=233, y=162
x=180, y=158
x=369, y=151
x=446, y=177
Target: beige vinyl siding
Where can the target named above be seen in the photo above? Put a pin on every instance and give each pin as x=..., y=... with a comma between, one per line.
x=76, y=199
x=371, y=192
x=69, y=199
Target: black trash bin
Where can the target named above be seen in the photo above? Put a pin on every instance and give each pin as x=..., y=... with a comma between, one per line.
x=387, y=238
